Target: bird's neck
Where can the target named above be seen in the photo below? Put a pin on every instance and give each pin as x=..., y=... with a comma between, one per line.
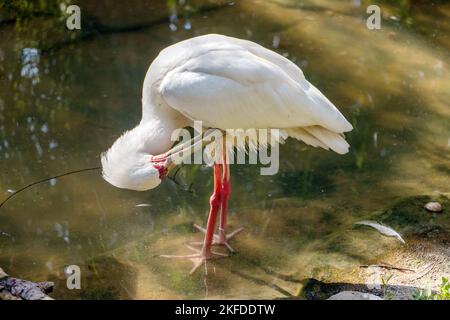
x=156, y=131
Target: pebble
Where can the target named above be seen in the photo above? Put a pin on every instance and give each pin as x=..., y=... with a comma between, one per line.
x=433, y=207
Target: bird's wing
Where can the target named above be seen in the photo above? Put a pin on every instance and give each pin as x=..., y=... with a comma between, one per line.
x=239, y=87
x=287, y=65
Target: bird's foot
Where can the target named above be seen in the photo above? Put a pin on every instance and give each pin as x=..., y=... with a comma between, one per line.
x=220, y=239
x=198, y=258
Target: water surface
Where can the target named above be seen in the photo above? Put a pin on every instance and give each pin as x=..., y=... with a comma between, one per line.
x=64, y=103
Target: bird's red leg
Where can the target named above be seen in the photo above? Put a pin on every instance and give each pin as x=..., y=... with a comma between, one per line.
x=223, y=238
x=214, y=209
x=226, y=193
x=215, y=201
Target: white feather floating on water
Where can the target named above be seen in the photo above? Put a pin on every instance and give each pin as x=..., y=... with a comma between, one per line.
x=387, y=231
x=143, y=205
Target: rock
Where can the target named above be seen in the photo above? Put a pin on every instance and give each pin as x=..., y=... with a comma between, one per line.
x=314, y=289
x=18, y=289
x=354, y=295
x=433, y=206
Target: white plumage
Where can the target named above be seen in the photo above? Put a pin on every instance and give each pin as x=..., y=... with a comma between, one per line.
x=226, y=83
x=242, y=85
x=232, y=83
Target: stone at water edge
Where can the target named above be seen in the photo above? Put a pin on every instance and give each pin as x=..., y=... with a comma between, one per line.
x=354, y=295
x=433, y=206
x=18, y=289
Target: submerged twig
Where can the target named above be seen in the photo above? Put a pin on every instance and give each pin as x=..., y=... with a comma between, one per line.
x=45, y=180
x=184, y=187
x=384, y=266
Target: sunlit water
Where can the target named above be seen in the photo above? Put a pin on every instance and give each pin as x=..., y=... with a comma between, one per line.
x=62, y=104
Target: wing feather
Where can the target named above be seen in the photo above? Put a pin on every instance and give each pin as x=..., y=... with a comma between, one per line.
x=243, y=85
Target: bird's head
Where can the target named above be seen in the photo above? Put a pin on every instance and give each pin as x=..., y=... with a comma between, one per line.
x=128, y=164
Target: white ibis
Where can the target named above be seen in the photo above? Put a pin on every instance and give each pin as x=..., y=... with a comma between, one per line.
x=226, y=83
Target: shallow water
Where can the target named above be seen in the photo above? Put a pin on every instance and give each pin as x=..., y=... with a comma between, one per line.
x=61, y=106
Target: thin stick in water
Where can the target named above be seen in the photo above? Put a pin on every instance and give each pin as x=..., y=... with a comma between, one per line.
x=45, y=180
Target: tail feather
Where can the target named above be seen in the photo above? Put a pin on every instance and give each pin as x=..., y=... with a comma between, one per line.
x=303, y=135
x=318, y=136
